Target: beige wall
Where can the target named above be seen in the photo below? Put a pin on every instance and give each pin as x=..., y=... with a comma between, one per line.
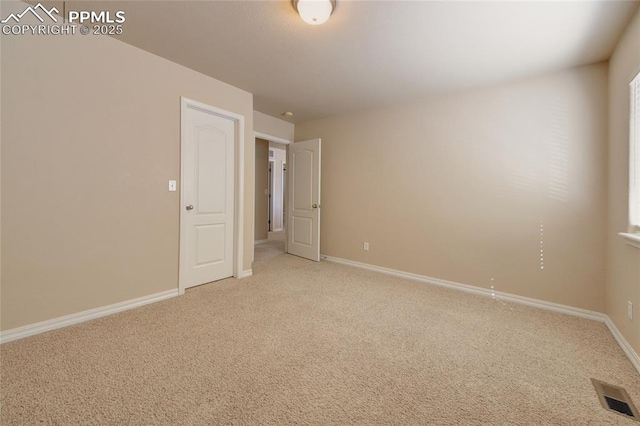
x=457, y=187
x=262, y=184
x=90, y=138
x=623, y=261
x=272, y=126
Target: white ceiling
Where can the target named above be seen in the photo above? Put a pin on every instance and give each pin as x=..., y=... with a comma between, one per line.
x=371, y=53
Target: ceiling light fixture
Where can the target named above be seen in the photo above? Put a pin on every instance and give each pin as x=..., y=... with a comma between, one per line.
x=287, y=114
x=314, y=12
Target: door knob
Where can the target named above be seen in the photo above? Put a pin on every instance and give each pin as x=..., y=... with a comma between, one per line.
x=315, y=206
x=189, y=206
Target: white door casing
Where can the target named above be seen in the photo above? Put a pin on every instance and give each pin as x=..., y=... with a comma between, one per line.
x=303, y=201
x=210, y=214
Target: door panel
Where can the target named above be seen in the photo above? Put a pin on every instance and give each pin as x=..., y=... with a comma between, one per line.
x=207, y=213
x=303, y=231
x=302, y=171
x=303, y=236
x=212, y=169
x=210, y=244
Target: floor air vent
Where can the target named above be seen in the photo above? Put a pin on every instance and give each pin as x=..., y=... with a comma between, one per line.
x=616, y=399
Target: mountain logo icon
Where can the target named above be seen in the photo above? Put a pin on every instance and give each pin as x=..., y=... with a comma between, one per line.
x=34, y=11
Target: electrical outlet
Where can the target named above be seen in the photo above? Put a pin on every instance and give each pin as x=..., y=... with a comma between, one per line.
x=365, y=246
x=630, y=309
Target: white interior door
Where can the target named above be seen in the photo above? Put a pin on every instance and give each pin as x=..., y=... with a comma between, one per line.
x=303, y=202
x=207, y=210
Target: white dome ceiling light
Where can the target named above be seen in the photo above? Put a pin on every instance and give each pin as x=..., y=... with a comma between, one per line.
x=314, y=12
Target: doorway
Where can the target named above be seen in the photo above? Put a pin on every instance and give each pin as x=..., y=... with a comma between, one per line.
x=277, y=158
x=270, y=192
x=299, y=187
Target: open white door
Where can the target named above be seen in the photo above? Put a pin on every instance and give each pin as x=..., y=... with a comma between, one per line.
x=303, y=204
x=207, y=210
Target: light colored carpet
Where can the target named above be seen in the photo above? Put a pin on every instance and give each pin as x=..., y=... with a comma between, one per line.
x=273, y=248
x=308, y=343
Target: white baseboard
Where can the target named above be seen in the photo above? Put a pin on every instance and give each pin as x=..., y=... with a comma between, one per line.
x=245, y=273
x=258, y=242
x=67, y=320
x=536, y=303
x=626, y=347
